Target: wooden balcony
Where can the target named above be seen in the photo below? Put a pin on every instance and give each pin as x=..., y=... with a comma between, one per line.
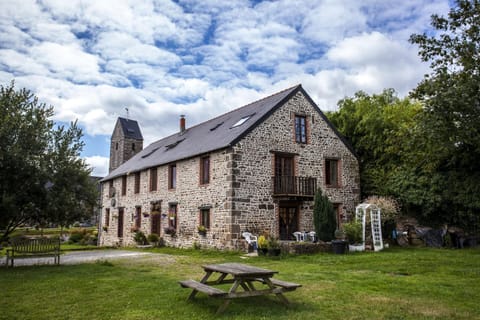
x=294, y=186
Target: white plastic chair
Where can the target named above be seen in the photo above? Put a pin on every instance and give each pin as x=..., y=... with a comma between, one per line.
x=313, y=236
x=251, y=239
x=298, y=236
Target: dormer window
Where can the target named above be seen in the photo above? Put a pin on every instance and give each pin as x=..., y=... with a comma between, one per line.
x=242, y=121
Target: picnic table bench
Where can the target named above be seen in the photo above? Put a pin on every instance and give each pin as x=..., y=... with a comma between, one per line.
x=33, y=248
x=240, y=275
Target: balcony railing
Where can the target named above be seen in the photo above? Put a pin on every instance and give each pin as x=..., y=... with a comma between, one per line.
x=294, y=186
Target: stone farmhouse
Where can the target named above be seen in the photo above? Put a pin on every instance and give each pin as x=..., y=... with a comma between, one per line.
x=253, y=169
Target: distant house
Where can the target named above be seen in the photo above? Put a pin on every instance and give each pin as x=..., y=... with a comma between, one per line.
x=253, y=169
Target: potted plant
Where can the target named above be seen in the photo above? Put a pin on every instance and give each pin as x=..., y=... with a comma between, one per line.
x=202, y=230
x=262, y=245
x=153, y=239
x=171, y=231
x=140, y=238
x=353, y=231
x=273, y=247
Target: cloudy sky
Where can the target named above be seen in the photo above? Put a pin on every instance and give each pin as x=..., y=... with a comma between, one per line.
x=162, y=58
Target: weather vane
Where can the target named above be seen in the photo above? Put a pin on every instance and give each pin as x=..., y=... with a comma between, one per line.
x=126, y=109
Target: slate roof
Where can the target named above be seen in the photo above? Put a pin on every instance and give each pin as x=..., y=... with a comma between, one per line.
x=130, y=128
x=215, y=134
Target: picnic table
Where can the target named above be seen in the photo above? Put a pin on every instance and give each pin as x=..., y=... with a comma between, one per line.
x=253, y=280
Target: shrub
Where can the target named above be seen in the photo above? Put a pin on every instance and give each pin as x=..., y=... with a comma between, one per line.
x=390, y=208
x=140, y=238
x=152, y=238
x=76, y=237
x=324, y=218
x=353, y=231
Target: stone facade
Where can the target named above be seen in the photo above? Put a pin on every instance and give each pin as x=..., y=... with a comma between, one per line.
x=240, y=195
x=122, y=147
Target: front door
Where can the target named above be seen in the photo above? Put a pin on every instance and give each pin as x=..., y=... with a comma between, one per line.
x=120, y=223
x=288, y=220
x=156, y=220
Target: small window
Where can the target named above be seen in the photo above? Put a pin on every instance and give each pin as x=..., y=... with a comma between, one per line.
x=133, y=146
x=172, y=216
x=137, y=183
x=124, y=185
x=111, y=189
x=300, y=129
x=153, y=179
x=172, y=176
x=116, y=146
x=205, y=218
x=107, y=217
x=331, y=172
x=205, y=170
x=242, y=121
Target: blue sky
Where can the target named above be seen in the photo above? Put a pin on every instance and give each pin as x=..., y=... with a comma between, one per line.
x=160, y=59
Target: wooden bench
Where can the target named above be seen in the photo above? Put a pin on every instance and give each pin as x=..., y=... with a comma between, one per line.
x=201, y=287
x=288, y=286
x=32, y=248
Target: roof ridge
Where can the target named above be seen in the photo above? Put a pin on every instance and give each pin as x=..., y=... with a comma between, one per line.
x=256, y=101
x=226, y=113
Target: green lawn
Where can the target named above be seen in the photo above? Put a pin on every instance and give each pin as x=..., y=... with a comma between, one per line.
x=393, y=284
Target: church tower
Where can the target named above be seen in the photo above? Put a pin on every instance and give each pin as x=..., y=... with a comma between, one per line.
x=126, y=141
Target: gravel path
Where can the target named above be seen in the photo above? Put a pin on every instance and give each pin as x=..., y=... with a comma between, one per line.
x=77, y=257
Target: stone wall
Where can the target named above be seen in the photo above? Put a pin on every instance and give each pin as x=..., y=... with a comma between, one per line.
x=189, y=195
x=254, y=208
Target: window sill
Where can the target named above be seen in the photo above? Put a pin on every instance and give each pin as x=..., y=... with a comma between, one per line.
x=331, y=186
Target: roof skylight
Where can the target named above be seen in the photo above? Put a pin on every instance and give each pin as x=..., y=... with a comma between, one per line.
x=242, y=121
x=216, y=126
x=173, y=145
x=148, y=154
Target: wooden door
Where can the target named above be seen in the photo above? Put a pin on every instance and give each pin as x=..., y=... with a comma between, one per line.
x=120, y=223
x=156, y=218
x=288, y=221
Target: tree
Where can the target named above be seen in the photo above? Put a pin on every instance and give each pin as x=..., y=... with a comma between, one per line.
x=324, y=218
x=42, y=179
x=448, y=136
x=379, y=127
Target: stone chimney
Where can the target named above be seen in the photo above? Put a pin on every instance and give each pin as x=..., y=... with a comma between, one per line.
x=182, y=123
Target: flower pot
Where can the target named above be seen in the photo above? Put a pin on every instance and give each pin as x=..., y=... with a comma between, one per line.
x=339, y=246
x=356, y=247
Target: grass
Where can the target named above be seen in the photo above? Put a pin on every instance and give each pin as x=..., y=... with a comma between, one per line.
x=393, y=284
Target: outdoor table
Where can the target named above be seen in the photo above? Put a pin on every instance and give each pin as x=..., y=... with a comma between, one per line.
x=253, y=280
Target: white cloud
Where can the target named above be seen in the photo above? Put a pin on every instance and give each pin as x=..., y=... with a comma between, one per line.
x=99, y=165
x=68, y=61
x=91, y=59
x=116, y=45
x=332, y=20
